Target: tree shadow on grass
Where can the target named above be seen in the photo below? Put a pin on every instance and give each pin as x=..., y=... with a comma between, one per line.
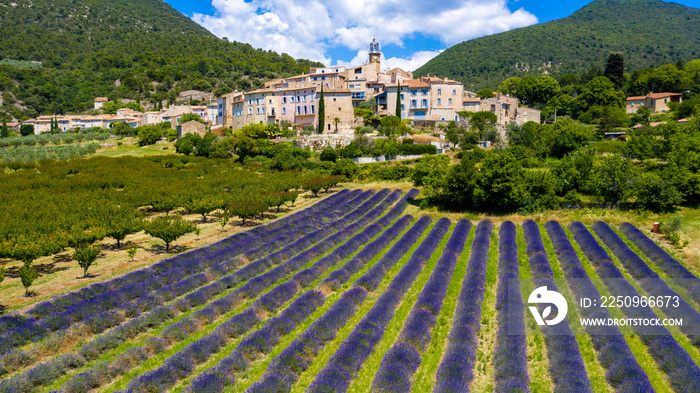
x=174, y=249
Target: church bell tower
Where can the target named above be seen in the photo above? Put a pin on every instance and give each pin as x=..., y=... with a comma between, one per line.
x=374, y=54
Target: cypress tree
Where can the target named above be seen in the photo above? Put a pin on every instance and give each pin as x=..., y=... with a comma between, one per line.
x=398, y=101
x=321, y=113
x=5, y=132
x=615, y=68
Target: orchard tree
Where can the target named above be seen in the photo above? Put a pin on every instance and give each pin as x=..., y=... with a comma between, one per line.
x=246, y=209
x=204, y=205
x=121, y=222
x=27, y=274
x=168, y=229
x=86, y=254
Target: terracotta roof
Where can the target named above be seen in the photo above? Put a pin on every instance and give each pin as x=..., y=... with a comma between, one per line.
x=662, y=95
x=434, y=79
x=471, y=99
x=239, y=101
x=653, y=124
x=101, y=99
x=411, y=84
x=653, y=95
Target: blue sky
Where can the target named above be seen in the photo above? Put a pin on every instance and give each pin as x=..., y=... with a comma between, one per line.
x=338, y=32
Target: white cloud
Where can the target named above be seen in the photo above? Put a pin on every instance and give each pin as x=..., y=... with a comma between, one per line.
x=413, y=62
x=307, y=28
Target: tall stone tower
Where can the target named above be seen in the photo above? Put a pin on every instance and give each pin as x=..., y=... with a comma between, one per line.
x=374, y=54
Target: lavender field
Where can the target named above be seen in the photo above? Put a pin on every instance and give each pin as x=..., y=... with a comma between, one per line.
x=354, y=295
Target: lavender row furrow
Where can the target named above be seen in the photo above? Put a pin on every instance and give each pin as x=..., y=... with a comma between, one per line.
x=285, y=369
x=35, y=330
x=565, y=361
x=623, y=372
x=510, y=355
x=651, y=282
x=355, y=349
x=455, y=371
x=683, y=373
x=263, y=340
x=371, y=279
x=218, y=307
x=663, y=260
x=401, y=361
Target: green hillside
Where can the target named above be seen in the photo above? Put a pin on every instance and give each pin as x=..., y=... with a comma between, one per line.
x=648, y=33
x=141, y=49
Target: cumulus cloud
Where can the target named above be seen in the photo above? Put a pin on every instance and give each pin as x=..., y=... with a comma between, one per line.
x=307, y=28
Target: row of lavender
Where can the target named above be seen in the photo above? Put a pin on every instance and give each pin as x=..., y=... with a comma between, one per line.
x=264, y=339
x=151, y=304
x=47, y=371
x=510, y=356
x=456, y=369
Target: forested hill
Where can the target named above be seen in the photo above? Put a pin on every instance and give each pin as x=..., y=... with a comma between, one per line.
x=648, y=32
x=148, y=48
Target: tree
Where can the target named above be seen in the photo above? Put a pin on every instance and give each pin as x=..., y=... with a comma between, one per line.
x=480, y=120
x=336, y=120
x=390, y=125
x=537, y=91
x=642, y=116
x=168, y=229
x=189, y=117
x=329, y=154
x=615, y=68
x=321, y=113
x=566, y=136
x=613, y=179
x=398, y=101
x=204, y=205
x=655, y=194
x=121, y=222
x=5, y=132
x=149, y=135
x=86, y=254
x=121, y=129
x=27, y=274
x=485, y=93
x=246, y=209
x=131, y=251
x=26, y=129
x=185, y=145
